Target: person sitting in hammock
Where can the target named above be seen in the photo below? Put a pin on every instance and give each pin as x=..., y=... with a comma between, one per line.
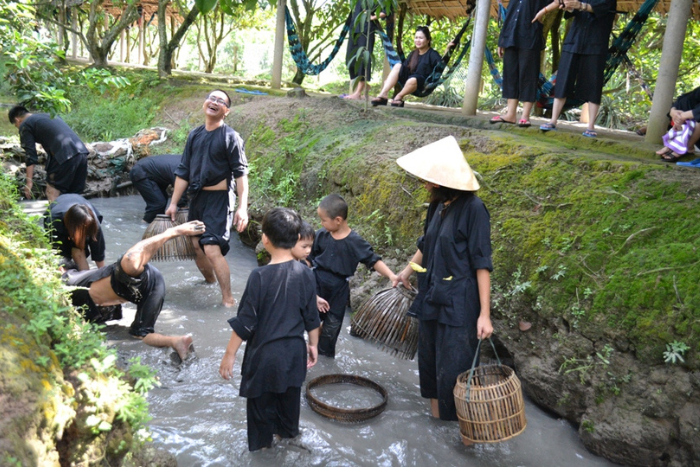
x=412, y=73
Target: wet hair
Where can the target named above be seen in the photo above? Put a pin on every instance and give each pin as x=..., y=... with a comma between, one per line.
x=281, y=226
x=16, y=112
x=306, y=232
x=413, y=63
x=334, y=206
x=81, y=224
x=225, y=93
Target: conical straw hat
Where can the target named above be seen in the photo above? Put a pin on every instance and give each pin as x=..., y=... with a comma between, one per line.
x=442, y=163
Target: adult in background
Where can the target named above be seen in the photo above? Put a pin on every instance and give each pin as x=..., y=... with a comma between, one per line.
x=66, y=164
x=684, y=115
x=520, y=46
x=212, y=165
x=74, y=225
x=454, y=253
x=132, y=279
x=412, y=73
x=583, y=55
x=152, y=176
x=361, y=35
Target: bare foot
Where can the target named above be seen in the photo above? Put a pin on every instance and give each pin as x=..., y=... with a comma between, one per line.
x=182, y=346
x=229, y=303
x=435, y=408
x=353, y=97
x=662, y=151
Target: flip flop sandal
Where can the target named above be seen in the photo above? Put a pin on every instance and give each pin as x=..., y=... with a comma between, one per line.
x=379, y=101
x=397, y=103
x=522, y=123
x=548, y=127
x=671, y=157
x=499, y=119
x=590, y=134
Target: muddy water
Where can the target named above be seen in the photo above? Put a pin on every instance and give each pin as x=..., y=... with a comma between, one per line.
x=201, y=419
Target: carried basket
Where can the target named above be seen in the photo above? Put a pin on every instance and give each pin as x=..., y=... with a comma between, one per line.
x=341, y=414
x=179, y=248
x=383, y=319
x=489, y=402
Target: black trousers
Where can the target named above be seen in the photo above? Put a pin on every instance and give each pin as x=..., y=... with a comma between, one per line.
x=580, y=77
x=521, y=69
x=336, y=291
x=444, y=352
x=272, y=414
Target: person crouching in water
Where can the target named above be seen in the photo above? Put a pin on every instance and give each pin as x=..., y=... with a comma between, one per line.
x=277, y=306
x=132, y=279
x=336, y=252
x=454, y=255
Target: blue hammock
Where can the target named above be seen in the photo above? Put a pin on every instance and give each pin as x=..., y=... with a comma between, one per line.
x=299, y=55
x=438, y=75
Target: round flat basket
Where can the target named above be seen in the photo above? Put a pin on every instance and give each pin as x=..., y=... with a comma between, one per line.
x=490, y=407
x=383, y=319
x=341, y=414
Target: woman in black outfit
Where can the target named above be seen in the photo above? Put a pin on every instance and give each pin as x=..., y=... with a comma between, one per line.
x=412, y=73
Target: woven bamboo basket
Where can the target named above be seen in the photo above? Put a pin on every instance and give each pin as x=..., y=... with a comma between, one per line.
x=489, y=402
x=181, y=216
x=383, y=320
x=340, y=414
x=176, y=249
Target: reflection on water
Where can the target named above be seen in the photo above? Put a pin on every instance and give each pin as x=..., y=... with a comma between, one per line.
x=347, y=396
x=201, y=419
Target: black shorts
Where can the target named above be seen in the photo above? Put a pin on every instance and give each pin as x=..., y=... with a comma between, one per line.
x=68, y=177
x=215, y=209
x=146, y=291
x=443, y=353
x=272, y=414
x=580, y=77
x=405, y=75
x=521, y=68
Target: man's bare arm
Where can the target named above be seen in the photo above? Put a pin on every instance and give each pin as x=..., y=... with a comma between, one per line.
x=136, y=257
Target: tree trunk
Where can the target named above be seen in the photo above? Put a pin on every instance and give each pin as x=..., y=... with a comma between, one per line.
x=298, y=77
x=167, y=48
x=99, y=47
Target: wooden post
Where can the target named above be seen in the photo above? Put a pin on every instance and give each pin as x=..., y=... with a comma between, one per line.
x=476, y=57
x=121, y=46
x=280, y=31
x=676, y=26
x=128, y=45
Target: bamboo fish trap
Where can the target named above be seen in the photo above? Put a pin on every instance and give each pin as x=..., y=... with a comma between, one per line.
x=383, y=320
x=340, y=414
x=181, y=216
x=176, y=249
x=489, y=402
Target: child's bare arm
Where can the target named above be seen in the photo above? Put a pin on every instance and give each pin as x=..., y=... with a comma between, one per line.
x=312, y=348
x=226, y=367
x=551, y=7
x=384, y=270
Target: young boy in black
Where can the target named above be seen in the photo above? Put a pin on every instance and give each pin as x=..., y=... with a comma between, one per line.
x=302, y=249
x=278, y=304
x=336, y=252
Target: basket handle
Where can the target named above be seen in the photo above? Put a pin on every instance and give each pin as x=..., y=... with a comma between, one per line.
x=476, y=356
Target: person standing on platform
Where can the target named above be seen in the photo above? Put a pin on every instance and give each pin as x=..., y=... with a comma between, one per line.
x=520, y=46
x=583, y=56
x=212, y=166
x=66, y=163
x=152, y=176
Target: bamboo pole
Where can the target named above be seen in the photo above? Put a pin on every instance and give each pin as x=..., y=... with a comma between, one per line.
x=278, y=54
x=476, y=57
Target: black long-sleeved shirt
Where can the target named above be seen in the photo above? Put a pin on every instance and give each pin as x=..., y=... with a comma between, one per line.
x=689, y=101
x=58, y=140
x=277, y=306
x=518, y=29
x=94, y=248
x=160, y=169
x=590, y=32
x=212, y=156
x=341, y=257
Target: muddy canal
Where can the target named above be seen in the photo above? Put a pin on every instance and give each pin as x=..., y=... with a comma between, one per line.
x=201, y=419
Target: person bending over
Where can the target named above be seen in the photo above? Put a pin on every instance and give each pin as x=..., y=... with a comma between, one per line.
x=212, y=165
x=152, y=176
x=277, y=306
x=74, y=225
x=412, y=73
x=66, y=162
x=132, y=279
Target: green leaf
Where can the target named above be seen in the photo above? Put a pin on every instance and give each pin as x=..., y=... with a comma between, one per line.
x=205, y=6
x=227, y=7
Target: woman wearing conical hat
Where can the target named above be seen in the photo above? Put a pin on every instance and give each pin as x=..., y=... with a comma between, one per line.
x=453, y=263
